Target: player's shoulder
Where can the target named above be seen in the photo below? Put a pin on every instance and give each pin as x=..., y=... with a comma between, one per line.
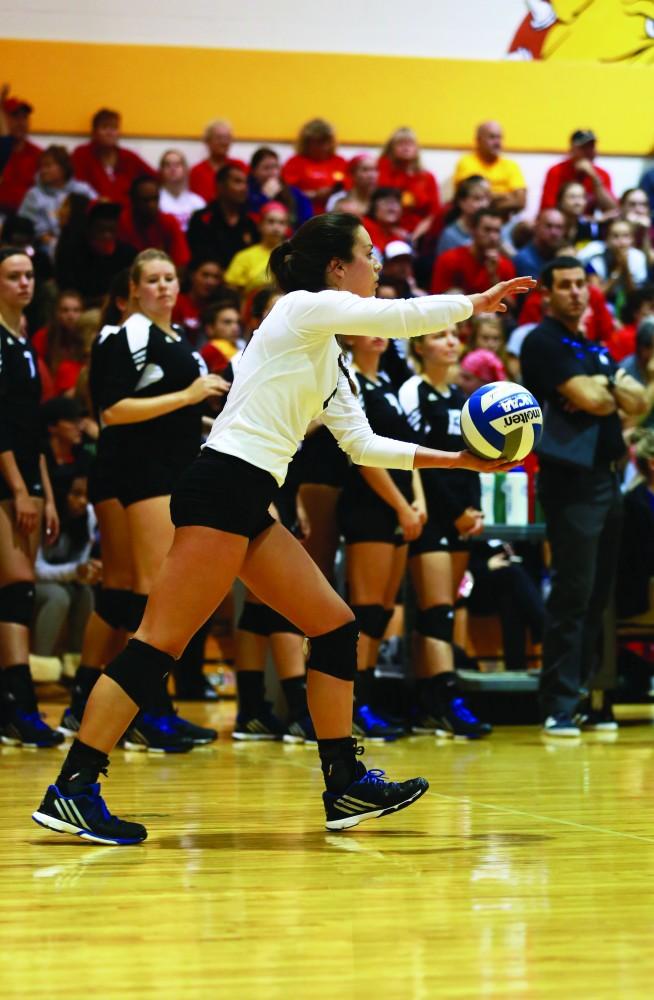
x=409, y=394
x=136, y=331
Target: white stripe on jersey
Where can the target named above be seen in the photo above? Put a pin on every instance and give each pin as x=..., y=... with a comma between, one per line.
x=137, y=330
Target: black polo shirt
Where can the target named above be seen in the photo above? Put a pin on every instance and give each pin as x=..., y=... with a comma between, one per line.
x=551, y=355
x=209, y=232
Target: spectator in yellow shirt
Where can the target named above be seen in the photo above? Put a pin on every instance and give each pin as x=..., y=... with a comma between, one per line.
x=505, y=177
x=248, y=269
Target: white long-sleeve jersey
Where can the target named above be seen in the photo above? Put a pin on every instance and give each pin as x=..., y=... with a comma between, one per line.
x=289, y=375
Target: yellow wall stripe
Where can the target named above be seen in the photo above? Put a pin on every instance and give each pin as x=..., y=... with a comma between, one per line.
x=170, y=91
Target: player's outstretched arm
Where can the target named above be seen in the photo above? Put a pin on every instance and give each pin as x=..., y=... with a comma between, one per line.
x=430, y=458
x=492, y=299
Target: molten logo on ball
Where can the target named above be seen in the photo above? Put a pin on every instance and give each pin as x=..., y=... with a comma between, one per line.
x=501, y=420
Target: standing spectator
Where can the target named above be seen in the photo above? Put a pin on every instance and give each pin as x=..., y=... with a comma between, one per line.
x=580, y=166
x=581, y=390
x=616, y=266
x=143, y=225
x=104, y=164
x=248, y=269
x=18, y=173
x=472, y=268
x=471, y=194
x=174, y=196
x=400, y=167
x=544, y=245
x=580, y=227
x=383, y=222
x=204, y=283
x=505, y=177
x=89, y=254
x=224, y=226
x=316, y=169
x=218, y=138
x=54, y=182
x=265, y=184
x=363, y=178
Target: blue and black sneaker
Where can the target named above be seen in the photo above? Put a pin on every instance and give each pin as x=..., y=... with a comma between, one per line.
x=22, y=728
x=70, y=725
x=156, y=734
x=456, y=721
x=85, y=815
x=301, y=731
x=367, y=725
x=199, y=735
x=261, y=725
x=369, y=797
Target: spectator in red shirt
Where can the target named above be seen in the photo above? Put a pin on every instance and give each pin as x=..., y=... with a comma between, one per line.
x=203, y=285
x=218, y=138
x=105, y=165
x=59, y=340
x=638, y=306
x=316, y=169
x=477, y=266
x=383, y=222
x=362, y=181
x=597, y=322
x=143, y=225
x=20, y=169
x=400, y=167
x=580, y=167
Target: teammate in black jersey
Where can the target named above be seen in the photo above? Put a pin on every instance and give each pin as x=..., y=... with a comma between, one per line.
x=380, y=513
x=438, y=559
x=26, y=501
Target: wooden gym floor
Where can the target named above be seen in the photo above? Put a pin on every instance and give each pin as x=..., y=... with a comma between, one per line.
x=527, y=871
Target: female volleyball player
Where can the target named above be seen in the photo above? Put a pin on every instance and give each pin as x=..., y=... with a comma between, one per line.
x=291, y=371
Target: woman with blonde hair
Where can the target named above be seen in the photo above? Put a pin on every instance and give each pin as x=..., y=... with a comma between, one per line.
x=400, y=167
x=316, y=169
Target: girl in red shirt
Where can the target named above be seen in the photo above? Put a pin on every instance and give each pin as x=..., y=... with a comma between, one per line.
x=399, y=167
x=316, y=169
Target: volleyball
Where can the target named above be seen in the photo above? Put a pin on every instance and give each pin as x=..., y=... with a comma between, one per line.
x=501, y=420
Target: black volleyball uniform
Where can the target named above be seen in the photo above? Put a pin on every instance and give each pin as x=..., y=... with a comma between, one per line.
x=20, y=395
x=436, y=420
x=105, y=468
x=363, y=515
x=143, y=361
x=320, y=461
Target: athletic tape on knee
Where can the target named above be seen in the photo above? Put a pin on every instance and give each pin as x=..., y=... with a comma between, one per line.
x=335, y=652
x=140, y=670
x=253, y=619
x=436, y=622
x=277, y=623
x=136, y=610
x=114, y=606
x=17, y=603
x=371, y=619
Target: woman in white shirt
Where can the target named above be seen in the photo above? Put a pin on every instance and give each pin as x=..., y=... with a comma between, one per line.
x=175, y=198
x=291, y=372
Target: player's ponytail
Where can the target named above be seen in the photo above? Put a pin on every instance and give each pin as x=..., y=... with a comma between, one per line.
x=302, y=261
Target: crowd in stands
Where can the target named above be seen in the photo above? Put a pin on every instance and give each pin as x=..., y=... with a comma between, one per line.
x=84, y=215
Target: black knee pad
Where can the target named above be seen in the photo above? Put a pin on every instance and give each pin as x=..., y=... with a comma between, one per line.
x=253, y=619
x=436, y=622
x=114, y=606
x=17, y=603
x=371, y=619
x=277, y=623
x=140, y=670
x=135, y=611
x=335, y=652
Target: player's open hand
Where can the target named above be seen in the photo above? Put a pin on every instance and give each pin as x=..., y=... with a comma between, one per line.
x=466, y=460
x=492, y=300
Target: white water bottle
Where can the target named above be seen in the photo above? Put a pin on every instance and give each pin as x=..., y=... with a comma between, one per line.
x=487, y=482
x=517, y=498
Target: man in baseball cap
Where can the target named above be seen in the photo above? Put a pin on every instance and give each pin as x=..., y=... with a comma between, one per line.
x=21, y=157
x=580, y=167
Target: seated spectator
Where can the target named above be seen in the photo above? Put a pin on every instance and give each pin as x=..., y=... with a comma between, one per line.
x=507, y=182
x=224, y=227
x=638, y=306
x=17, y=231
x=479, y=368
x=175, y=198
x=580, y=166
x=398, y=269
x=636, y=560
x=63, y=446
x=265, y=184
x=549, y=236
x=634, y=207
x=203, y=284
x=316, y=169
x=248, y=269
x=580, y=228
x=58, y=341
x=89, y=253
x=19, y=171
x=400, y=167
x=616, y=266
x=143, y=225
x=222, y=328
x=65, y=574
x=362, y=180
x=54, y=182
x=640, y=365
x=104, y=164
x=471, y=194
x=383, y=223
x=218, y=139
x=487, y=334
x=256, y=308
x=478, y=266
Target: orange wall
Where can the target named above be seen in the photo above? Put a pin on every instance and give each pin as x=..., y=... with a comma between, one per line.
x=174, y=91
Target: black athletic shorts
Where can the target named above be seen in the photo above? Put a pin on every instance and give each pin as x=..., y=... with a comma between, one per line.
x=436, y=537
x=103, y=482
x=223, y=492
x=151, y=476
x=30, y=470
x=369, y=522
x=320, y=460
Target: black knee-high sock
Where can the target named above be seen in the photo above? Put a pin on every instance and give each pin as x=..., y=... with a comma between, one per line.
x=18, y=687
x=339, y=763
x=364, y=686
x=83, y=684
x=81, y=768
x=445, y=688
x=295, y=692
x=251, y=690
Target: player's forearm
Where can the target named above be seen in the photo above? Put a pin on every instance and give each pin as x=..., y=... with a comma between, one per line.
x=135, y=411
